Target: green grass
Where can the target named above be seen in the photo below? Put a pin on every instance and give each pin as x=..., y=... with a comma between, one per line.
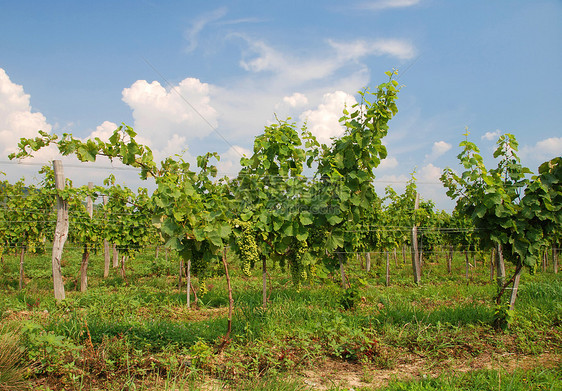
x=128, y=331
x=484, y=380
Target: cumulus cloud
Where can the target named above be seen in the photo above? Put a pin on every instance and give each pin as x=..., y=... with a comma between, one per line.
x=431, y=188
x=438, y=149
x=296, y=100
x=396, y=182
x=492, y=136
x=163, y=115
x=543, y=150
x=104, y=131
x=229, y=164
x=388, y=163
x=16, y=117
x=323, y=121
x=378, y=5
x=430, y=174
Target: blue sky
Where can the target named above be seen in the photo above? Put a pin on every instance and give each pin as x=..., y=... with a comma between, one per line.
x=84, y=67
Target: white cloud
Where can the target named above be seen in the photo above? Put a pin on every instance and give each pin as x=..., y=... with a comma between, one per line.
x=396, y=182
x=323, y=122
x=550, y=147
x=104, y=131
x=165, y=116
x=491, y=136
x=431, y=188
x=438, y=149
x=354, y=50
x=543, y=150
x=16, y=118
x=378, y=5
x=229, y=164
x=263, y=58
x=429, y=174
x=296, y=100
x=192, y=34
x=388, y=163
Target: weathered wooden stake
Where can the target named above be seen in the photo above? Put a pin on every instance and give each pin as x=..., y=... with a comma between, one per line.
x=230, y=299
x=106, y=255
x=415, y=252
x=115, y=253
x=514, y=289
x=61, y=232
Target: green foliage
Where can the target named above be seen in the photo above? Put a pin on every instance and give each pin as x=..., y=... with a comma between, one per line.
x=25, y=216
x=491, y=198
x=126, y=218
x=349, y=298
x=49, y=352
x=200, y=354
x=503, y=317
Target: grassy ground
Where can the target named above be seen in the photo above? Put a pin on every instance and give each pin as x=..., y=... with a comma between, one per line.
x=137, y=334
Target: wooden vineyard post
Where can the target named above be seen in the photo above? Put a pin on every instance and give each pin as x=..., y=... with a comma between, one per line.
x=122, y=270
x=61, y=232
x=415, y=252
x=555, y=259
x=106, y=256
x=230, y=299
x=492, y=257
x=450, y=260
x=115, y=254
x=368, y=262
x=514, y=289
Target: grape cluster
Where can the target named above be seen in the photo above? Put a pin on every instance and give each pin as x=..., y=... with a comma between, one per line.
x=246, y=245
x=298, y=269
x=203, y=288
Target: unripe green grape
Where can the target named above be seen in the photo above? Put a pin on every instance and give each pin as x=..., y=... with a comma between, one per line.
x=203, y=289
x=247, y=247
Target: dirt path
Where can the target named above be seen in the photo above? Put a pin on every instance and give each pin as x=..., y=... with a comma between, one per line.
x=352, y=376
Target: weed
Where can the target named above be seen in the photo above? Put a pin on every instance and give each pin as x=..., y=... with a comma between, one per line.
x=11, y=371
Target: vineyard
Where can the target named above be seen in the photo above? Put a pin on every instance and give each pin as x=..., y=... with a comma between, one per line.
x=293, y=274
